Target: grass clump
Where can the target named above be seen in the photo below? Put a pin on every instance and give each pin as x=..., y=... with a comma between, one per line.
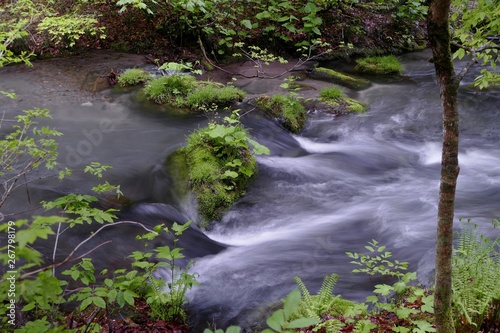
x=133, y=76
x=183, y=91
x=170, y=89
x=220, y=160
x=331, y=93
x=204, y=97
x=379, y=65
x=288, y=109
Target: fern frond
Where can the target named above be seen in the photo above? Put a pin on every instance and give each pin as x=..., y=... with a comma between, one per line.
x=306, y=296
x=326, y=291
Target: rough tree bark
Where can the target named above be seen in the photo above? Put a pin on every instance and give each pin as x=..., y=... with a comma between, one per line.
x=439, y=38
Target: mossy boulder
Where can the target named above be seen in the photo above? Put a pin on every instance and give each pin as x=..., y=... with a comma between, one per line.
x=327, y=74
x=379, y=65
x=216, y=165
x=333, y=100
x=185, y=92
x=287, y=109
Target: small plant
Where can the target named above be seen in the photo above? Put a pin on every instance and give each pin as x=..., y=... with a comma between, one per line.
x=282, y=320
x=331, y=92
x=379, y=65
x=476, y=269
x=324, y=302
x=133, y=76
x=410, y=307
x=377, y=261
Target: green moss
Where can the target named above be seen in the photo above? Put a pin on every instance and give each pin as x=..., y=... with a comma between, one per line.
x=133, y=76
x=334, y=98
x=379, y=65
x=220, y=164
x=204, y=97
x=183, y=91
x=339, y=78
x=355, y=106
x=290, y=111
x=176, y=164
x=166, y=88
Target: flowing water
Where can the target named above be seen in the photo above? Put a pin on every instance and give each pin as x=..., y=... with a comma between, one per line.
x=339, y=184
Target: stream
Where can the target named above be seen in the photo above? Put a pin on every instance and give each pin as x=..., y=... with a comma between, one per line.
x=342, y=182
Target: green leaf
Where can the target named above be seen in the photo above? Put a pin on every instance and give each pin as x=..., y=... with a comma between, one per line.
x=263, y=15
x=246, y=23
x=128, y=296
x=276, y=320
x=258, y=148
x=423, y=326
x=99, y=302
x=303, y=322
x=29, y=306
x=310, y=8
x=383, y=289
x=233, y=329
x=230, y=174
x=180, y=228
x=428, y=304
x=86, y=302
x=292, y=302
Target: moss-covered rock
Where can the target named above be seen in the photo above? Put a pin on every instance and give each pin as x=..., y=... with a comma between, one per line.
x=213, y=96
x=216, y=165
x=322, y=73
x=289, y=111
x=333, y=100
x=184, y=91
x=379, y=65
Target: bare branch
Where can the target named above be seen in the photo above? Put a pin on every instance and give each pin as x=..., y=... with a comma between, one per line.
x=70, y=255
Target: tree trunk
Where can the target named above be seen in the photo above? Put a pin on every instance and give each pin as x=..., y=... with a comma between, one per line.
x=439, y=38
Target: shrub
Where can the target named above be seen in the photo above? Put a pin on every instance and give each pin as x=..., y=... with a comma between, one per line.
x=379, y=65
x=133, y=76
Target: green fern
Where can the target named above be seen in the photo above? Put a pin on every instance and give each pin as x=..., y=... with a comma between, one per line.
x=324, y=302
x=476, y=268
